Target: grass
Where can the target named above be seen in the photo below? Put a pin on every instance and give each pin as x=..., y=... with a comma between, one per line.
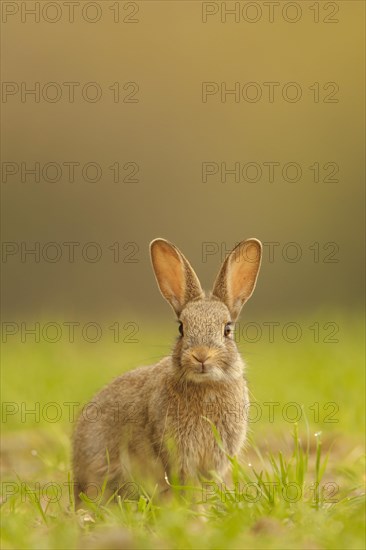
x=299, y=484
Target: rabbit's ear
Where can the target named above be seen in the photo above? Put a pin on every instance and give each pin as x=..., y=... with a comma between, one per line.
x=237, y=277
x=177, y=281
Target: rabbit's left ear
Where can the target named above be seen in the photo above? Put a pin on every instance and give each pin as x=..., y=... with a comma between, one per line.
x=237, y=277
x=176, y=278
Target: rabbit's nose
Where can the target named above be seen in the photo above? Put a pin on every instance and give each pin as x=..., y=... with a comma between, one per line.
x=202, y=362
x=201, y=359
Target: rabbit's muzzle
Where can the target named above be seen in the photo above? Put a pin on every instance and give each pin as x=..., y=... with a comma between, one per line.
x=201, y=363
x=201, y=356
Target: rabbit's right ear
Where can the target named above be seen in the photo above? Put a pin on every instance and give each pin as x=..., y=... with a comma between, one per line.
x=177, y=281
x=236, y=280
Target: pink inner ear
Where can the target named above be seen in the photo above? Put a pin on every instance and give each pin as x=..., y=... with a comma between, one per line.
x=169, y=272
x=244, y=266
x=174, y=280
x=241, y=280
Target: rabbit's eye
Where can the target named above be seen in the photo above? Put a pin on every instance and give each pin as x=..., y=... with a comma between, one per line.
x=228, y=329
x=180, y=328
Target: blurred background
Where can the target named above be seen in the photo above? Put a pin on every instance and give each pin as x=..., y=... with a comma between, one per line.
x=153, y=153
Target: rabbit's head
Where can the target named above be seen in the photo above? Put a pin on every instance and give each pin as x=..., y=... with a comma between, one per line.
x=205, y=349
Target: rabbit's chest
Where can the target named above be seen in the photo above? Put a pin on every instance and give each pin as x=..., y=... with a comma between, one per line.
x=199, y=431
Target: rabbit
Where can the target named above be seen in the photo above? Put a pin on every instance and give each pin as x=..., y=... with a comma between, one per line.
x=157, y=421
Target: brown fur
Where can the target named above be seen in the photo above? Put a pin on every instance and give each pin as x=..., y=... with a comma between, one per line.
x=155, y=422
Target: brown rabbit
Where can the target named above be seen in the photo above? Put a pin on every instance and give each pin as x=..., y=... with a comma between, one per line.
x=155, y=421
